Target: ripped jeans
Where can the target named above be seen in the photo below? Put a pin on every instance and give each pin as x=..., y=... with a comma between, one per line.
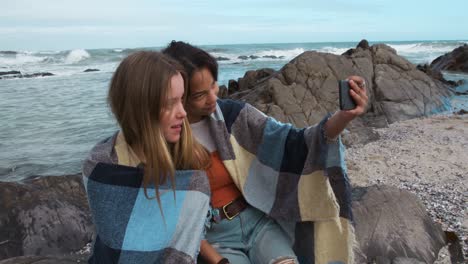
x=251, y=237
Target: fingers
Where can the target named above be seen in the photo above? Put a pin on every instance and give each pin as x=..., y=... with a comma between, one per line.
x=360, y=99
x=358, y=88
x=359, y=95
x=358, y=80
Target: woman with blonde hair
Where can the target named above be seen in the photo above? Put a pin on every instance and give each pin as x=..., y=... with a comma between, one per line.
x=148, y=200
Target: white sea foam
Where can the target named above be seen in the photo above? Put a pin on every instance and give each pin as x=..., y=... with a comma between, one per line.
x=51, y=52
x=424, y=52
x=285, y=55
x=334, y=50
x=20, y=59
x=76, y=56
x=421, y=48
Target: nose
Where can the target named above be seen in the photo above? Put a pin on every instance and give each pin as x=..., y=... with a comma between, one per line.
x=181, y=111
x=212, y=97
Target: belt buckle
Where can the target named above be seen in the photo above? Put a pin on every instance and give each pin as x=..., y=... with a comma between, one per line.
x=226, y=213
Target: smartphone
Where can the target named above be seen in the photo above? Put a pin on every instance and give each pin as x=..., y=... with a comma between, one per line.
x=346, y=101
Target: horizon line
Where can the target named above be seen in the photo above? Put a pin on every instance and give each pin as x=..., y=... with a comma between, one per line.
x=242, y=43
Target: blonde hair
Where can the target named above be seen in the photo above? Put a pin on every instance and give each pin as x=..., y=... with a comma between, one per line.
x=137, y=97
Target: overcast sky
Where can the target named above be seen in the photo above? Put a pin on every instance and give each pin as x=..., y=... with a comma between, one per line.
x=66, y=24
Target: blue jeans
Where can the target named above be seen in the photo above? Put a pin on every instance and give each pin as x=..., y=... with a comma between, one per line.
x=251, y=237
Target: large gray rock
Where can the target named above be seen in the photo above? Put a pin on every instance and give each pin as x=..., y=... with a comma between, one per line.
x=306, y=88
x=392, y=226
x=44, y=216
x=50, y=216
x=457, y=60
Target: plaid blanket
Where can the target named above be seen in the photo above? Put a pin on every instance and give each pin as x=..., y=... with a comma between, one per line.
x=130, y=227
x=293, y=175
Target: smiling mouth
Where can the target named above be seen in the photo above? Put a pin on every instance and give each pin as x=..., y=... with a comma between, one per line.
x=179, y=126
x=209, y=108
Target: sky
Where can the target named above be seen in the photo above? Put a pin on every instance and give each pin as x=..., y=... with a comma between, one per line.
x=67, y=24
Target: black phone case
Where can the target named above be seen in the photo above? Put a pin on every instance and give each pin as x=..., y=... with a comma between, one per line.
x=346, y=101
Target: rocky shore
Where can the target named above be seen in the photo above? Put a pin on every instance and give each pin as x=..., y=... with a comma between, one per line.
x=428, y=157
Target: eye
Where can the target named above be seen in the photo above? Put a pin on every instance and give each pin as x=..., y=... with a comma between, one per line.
x=169, y=105
x=198, y=96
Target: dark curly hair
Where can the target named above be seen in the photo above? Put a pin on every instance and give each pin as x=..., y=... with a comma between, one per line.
x=191, y=58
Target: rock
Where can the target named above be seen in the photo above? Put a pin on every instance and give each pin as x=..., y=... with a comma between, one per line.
x=223, y=91
x=38, y=74
x=457, y=60
x=233, y=86
x=47, y=220
x=270, y=56
x=222, y=58
x=253, y=57
x=243, y=57
x=392, y=226
x=437, y=75
x=461, y=112
x=31, y=75
x=91, y=70
x=44, y=216
x=250, y=79
x=461, y=93
x=9, y=72
x=363, y=44
x=8, y=52
x=306, y=89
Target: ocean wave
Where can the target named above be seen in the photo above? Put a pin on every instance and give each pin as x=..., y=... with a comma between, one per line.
x=76, y=56
x=425, y=52
x=285, y=54
x=426, y=47
x=48, y=52
x=262, y=55
x=20, y=59
x=334, y=50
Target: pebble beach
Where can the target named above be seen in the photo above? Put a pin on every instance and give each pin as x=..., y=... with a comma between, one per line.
x=426, y=156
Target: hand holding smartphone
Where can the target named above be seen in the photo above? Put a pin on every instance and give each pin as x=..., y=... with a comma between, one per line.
x=346, y=101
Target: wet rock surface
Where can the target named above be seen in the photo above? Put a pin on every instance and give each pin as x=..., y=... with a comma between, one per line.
x=44, y=216
x=18, y=74
x=456, y=61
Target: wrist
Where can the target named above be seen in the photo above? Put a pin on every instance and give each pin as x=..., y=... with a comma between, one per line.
x=345, y=116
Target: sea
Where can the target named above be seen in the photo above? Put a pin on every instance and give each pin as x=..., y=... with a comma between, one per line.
x=49, y=124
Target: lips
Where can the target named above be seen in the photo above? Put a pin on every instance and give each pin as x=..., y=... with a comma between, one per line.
x=177, y=127
x=210, y=108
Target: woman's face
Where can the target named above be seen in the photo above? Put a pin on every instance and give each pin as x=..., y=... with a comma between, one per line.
x=203, y=95
x=173, y=113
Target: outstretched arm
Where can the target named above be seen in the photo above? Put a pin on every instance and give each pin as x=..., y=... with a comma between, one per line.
x=338, y=122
